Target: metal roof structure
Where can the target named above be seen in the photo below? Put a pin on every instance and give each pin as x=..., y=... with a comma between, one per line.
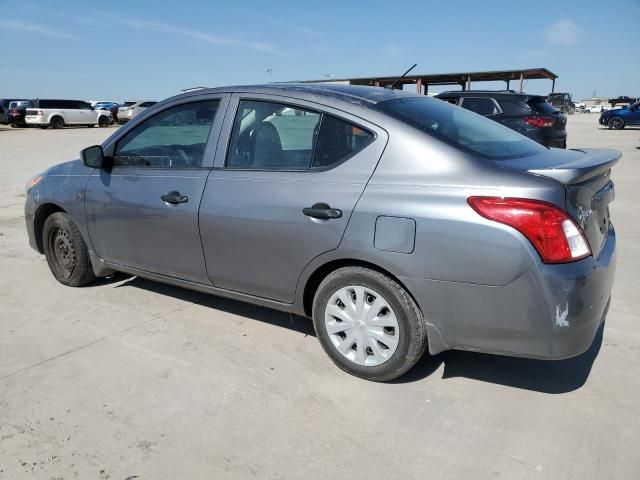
x=464, y=79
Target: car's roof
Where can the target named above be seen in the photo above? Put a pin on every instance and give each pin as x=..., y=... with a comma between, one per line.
x=356, y=94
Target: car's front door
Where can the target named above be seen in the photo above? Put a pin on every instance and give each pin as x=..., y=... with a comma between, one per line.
x=144, y=212
x=85, y=114
x=282, y=191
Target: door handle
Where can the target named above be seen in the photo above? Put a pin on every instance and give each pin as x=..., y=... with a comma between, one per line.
x=322, y=211
x=174, y=198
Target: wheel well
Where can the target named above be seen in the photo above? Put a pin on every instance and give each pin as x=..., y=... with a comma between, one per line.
x=40, y=217
x=56, y=116
x=321, y=272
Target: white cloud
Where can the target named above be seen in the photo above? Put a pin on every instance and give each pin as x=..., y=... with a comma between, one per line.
x=201, y=36
x=9, y=24
x=563, y=32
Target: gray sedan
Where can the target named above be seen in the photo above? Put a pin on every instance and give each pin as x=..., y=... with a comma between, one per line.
x=398, y=223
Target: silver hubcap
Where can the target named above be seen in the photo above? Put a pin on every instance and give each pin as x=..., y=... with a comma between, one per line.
x=362, y=326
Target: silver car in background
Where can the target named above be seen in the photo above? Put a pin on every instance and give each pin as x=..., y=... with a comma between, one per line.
x=128, y=110
x=397, y=222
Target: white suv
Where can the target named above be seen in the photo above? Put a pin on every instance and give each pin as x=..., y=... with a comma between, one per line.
x=128, y=110
x=58, y=113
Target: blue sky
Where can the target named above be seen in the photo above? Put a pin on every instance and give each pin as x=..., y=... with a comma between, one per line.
x=127, y=49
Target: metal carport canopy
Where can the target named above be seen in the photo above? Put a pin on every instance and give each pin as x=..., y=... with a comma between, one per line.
x=464, y=79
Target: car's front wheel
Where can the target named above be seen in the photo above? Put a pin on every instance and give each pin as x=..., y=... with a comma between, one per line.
x=103, y=121
x=368, y=324
x=66, y=251
x=616, y=123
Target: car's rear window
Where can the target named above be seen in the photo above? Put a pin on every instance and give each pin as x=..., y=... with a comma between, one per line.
x=541, y=106
x=460, y=128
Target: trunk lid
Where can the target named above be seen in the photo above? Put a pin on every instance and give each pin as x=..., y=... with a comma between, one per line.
x=586, y=176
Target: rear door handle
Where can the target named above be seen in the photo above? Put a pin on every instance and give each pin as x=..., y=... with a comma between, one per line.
x=174, y=198
x=322, y=211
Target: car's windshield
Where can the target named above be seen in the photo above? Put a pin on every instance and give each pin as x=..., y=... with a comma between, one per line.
x=460, y=128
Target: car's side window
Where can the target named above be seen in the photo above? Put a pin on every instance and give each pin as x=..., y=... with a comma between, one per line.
x=338, y=140
x=451, y=100
x=514, y=107
x=174, y=138
x=483, y=106
x=274, y=136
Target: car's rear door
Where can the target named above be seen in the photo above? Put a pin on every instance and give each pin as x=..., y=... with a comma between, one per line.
x=144, y=212
x=283, y=190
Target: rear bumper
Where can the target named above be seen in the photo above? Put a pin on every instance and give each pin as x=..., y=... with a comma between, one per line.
x=550, y=312
x=35, y=120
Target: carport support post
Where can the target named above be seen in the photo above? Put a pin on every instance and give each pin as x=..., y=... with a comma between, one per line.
x=468, y=82
x=419, y=86
x=508, y=82
x=521, y=81
x=553, y=85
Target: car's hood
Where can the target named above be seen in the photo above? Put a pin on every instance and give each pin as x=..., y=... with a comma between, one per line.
x=614, y=110
x=71, y=168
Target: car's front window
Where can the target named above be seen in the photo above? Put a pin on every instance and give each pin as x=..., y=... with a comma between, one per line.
x=460, y=128
x=174, y=138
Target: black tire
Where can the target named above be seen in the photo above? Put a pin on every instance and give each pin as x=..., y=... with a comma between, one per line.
x=66, y=252
x=616, y=123
x=412, y=341
x=56, y=123
x=103, y=121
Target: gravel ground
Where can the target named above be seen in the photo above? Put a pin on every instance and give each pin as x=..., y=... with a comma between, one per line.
x=133, y=379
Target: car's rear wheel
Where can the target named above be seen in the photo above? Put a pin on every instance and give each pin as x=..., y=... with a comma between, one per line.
x=66, y=252
x=103, y=121
x=56, y=122
x=368, y=324
x=616, y=123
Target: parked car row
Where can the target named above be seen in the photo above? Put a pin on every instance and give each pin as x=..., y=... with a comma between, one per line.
x=58, y=113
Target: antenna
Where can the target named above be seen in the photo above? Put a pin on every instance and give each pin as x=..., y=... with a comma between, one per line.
x=402, y=76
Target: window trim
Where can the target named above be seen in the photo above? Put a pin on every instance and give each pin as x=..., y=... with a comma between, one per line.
x=144, y=119
x=286, y=103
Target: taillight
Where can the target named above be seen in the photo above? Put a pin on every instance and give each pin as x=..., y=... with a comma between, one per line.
x=540, y=122
x=551, y=231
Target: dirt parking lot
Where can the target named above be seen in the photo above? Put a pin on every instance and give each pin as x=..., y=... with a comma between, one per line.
x=132, y=379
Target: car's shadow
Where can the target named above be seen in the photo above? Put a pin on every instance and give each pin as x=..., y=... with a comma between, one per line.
x=544, y=376
x=538, y=375
x=247, y=310
x=627, y=127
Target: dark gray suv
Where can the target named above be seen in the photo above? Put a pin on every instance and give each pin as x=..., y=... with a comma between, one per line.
x=399, y=223
x=529, y=115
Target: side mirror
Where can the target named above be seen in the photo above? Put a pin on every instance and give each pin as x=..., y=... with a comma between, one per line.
x=93, y=157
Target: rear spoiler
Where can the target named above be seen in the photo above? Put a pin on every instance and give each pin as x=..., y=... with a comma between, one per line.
x=593, y=162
